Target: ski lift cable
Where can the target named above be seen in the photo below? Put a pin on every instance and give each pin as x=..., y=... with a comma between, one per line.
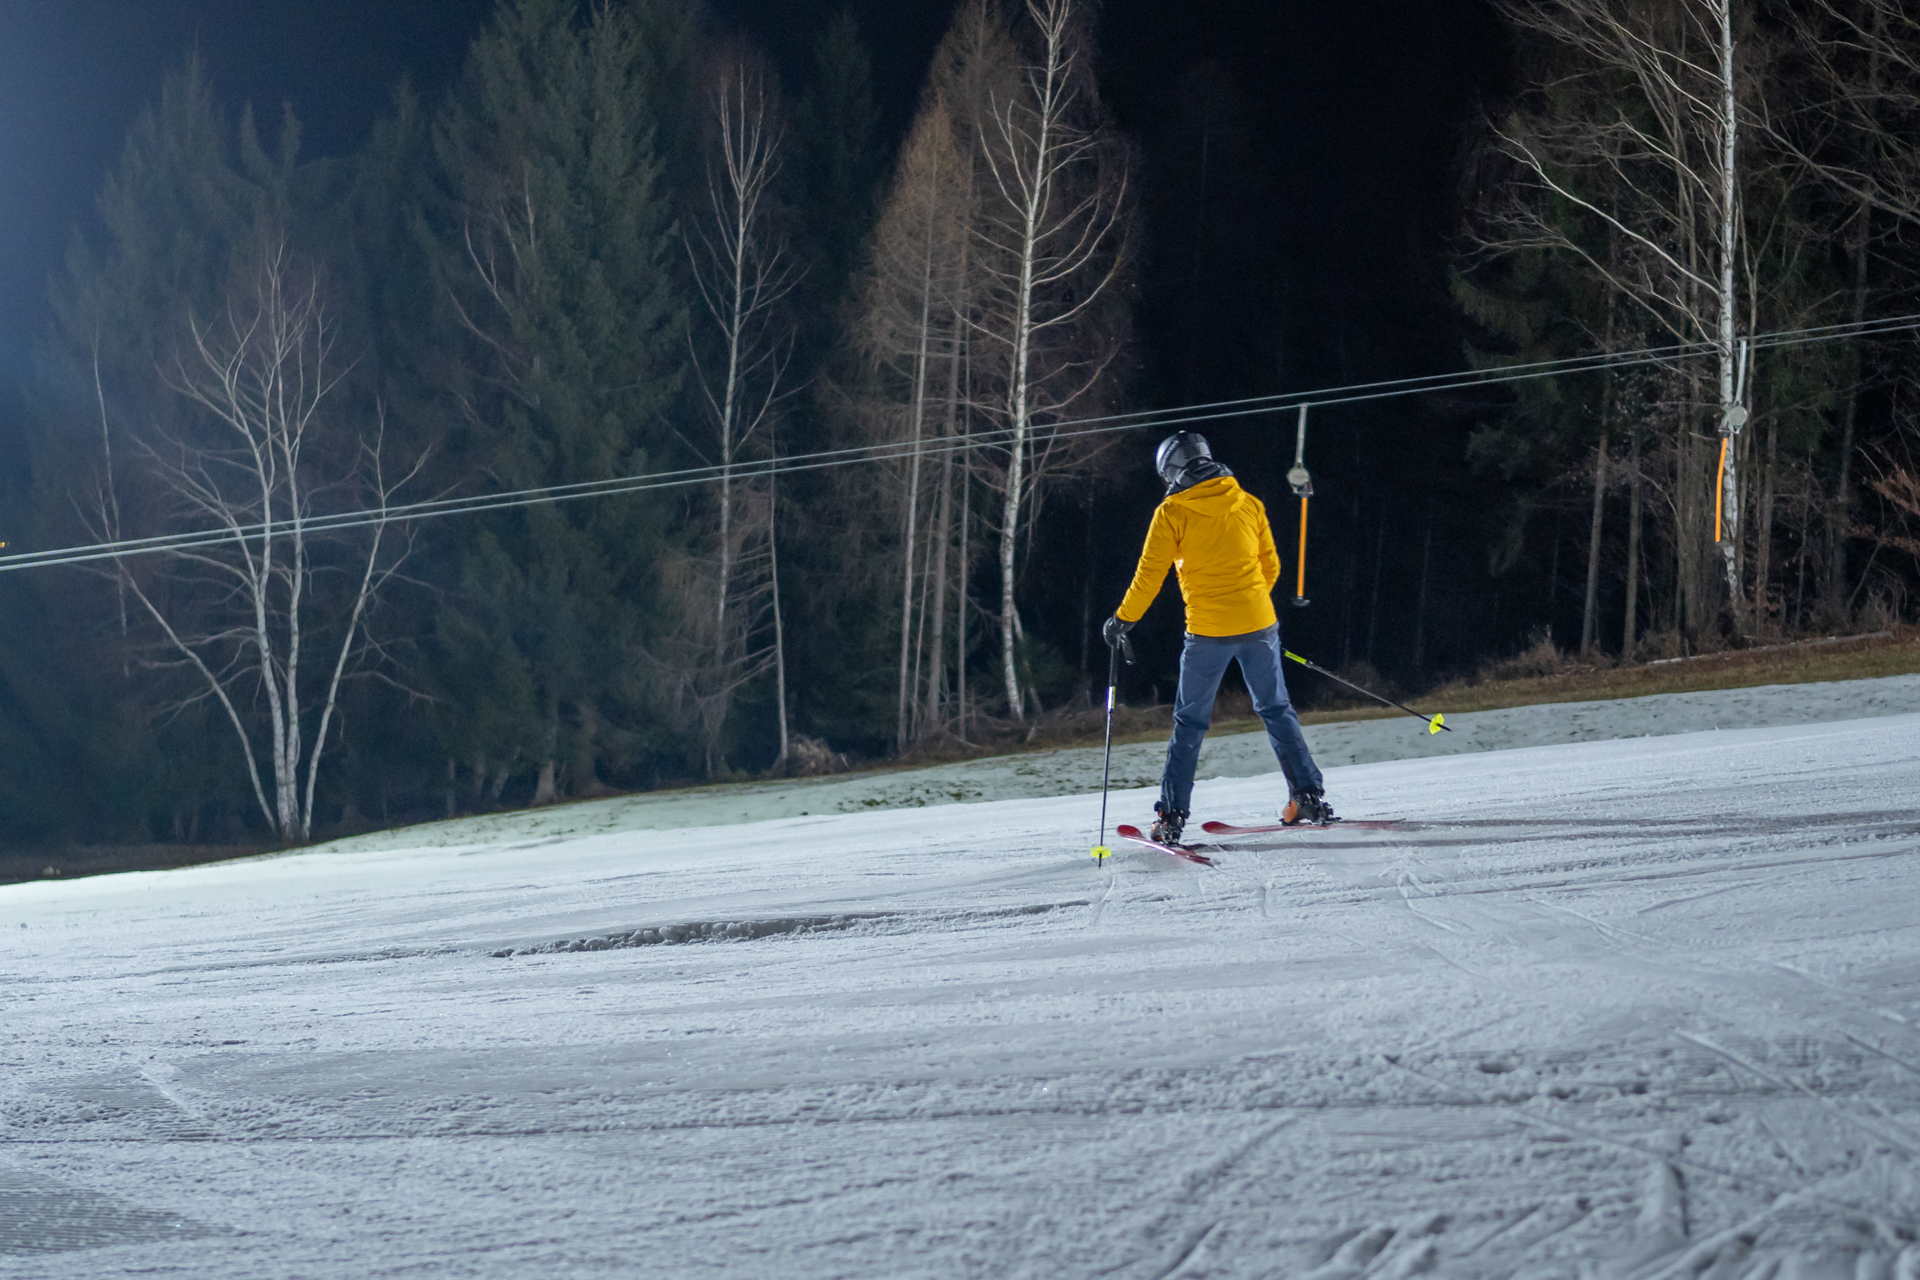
x=854, y=455
x=859, y=454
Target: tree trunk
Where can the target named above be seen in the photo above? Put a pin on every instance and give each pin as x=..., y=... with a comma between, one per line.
x=1373, y=608
x=960, y=407
x=367, y=587
x=1553, y=569
x=937, y=674
x=961, y=595
x=262, y=579
x=738, y=276
x=1842, y=522
x=1009, y=531
x=958, y=354
x=937, y=647
x=1037, y=192
x=1696, y=599
x=1049, y=240
x=779, y=628
x=1590, y=612
x=917, y=726
x=1028, y=692
x=1420, y=610
x=913, y=495
x=291, y=823
x=1086, y=597
x=1800, y=581
x=1629, y=637
x=726, y=480
x=1763, y=541
x=547, y=789
x=1729, y=230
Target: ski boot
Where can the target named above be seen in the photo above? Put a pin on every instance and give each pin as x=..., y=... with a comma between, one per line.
x=1170, y=823
x=1307, y=807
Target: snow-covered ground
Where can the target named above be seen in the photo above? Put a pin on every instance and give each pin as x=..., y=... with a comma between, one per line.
x=1627, y=1007
x=1040, y=774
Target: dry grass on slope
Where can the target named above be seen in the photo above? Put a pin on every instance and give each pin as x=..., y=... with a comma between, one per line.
x=1540, y=674
x=1543, y=674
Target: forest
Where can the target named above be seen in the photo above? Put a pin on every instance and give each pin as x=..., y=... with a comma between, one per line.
x=642, y=411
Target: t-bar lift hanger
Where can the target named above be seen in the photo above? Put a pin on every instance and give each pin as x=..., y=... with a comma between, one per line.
x=1303, y=489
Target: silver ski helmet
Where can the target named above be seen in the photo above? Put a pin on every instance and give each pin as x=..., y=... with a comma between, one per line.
x=1178, y=452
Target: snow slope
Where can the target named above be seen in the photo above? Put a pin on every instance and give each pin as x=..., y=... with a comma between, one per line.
x=1635, y=1007
x=1243, y=755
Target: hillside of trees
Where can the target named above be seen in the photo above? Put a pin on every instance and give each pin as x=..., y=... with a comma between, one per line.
x=370, y=405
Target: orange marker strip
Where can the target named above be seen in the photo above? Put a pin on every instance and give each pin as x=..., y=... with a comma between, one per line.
x=1300, y=592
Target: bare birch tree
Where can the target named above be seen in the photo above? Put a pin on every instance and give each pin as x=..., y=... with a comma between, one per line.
x=1054, y=239
x=976, y=66
x=990, y=295
x=1656, y=164
x=743, y=274
x=1590, y=612
x=1854, y=122
x=909, y=302
x=240, y=605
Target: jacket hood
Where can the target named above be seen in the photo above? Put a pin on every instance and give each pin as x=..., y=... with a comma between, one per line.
x=1198, y=472
x=1213, y=496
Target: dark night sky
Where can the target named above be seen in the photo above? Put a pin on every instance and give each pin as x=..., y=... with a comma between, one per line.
x=75, y=73
x=1336, y=92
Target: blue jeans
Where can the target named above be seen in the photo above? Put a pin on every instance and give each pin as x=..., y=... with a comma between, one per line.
x=1202, y=663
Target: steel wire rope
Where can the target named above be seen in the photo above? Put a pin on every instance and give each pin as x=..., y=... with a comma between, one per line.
x=867, y=453
x=1131, y=420
x=1423, y=384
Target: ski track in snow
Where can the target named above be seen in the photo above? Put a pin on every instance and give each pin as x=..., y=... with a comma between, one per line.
x=1618, y=1009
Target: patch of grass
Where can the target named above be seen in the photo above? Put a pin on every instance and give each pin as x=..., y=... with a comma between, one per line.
x=1806, y=662
x=1532, y=678
x=19, y=867
x=1539, y=674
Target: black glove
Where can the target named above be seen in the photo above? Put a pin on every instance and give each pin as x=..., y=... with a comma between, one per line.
x=1115, y=632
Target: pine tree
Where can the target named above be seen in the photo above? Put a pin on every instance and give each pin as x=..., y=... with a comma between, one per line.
x=838, y=161
x=555, y=248
x=832, y=594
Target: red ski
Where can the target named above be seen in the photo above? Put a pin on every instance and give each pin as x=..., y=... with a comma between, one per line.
x=1364, y=824
x=1127, y=831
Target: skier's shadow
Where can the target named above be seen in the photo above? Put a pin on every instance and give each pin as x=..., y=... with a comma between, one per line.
x=1879, y=825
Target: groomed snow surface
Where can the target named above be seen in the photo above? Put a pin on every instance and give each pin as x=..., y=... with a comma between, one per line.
x=1635, y=1007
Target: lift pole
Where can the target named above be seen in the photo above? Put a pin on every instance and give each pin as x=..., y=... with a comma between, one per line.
x=1302, y=489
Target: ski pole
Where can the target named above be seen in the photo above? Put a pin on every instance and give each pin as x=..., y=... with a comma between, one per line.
x=1100, y=851
x=1435, y=723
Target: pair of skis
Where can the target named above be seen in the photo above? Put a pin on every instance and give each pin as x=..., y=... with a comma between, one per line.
x=1127, y=831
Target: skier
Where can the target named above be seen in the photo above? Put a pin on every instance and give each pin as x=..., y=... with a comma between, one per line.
x=1216, y=535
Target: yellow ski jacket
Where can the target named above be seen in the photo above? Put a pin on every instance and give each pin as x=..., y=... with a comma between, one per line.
x=1217, y=536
